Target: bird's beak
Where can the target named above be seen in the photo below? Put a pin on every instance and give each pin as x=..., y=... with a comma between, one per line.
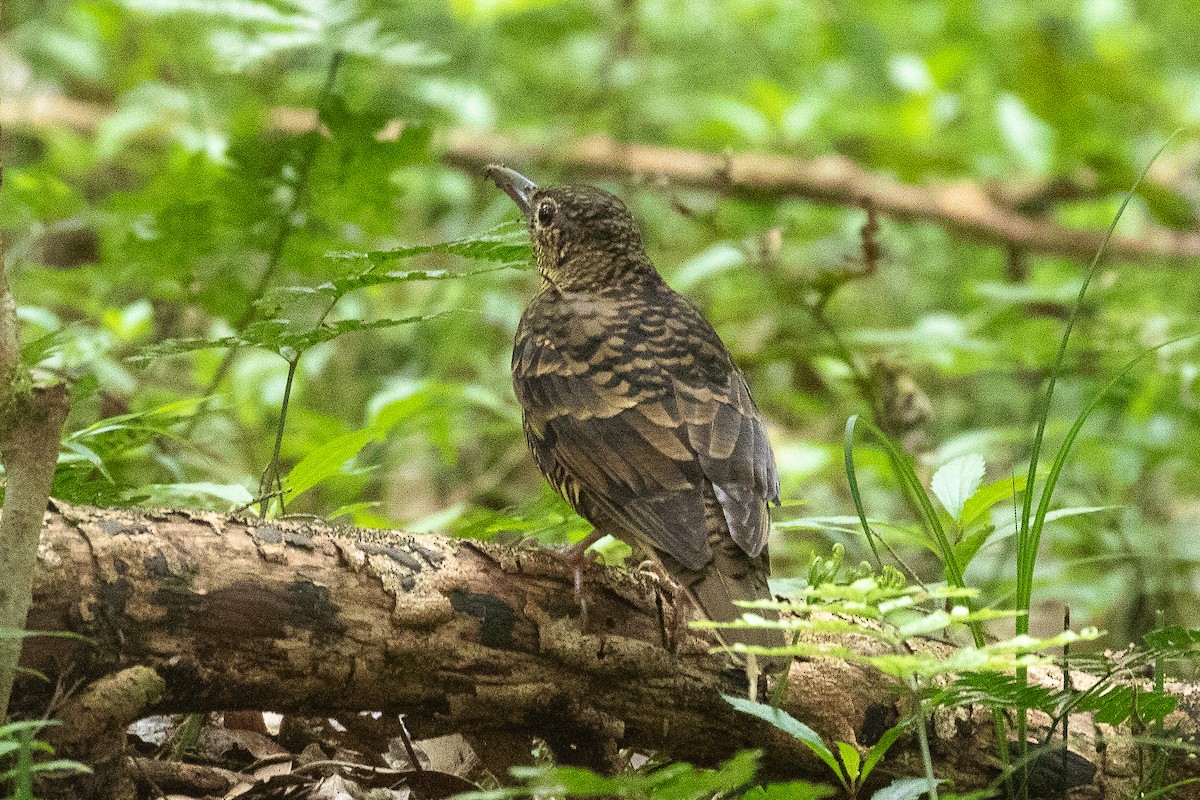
x=514, y=184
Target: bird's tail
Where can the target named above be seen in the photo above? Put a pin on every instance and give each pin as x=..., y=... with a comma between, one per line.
x=733, y=575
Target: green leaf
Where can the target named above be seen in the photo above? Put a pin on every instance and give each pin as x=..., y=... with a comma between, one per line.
x=1173, y=638
x=969, y=546
x=788, y=724
x=328, y=459
x=1000, y=690
x=507, y=244
x=880, y=748
x=851, y=760
x=276, y=335
x=904, y=789
x=61, y=765
x=955, y=482
x=235, y=495
x=1064, y=513
x=989, y=495
x=793, y=790
x=341, y=286
x=1116, y=704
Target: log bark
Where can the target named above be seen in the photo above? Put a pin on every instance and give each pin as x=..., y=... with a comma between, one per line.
x=487, y=640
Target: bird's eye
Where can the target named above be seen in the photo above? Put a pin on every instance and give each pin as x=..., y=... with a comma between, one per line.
x=545, y=214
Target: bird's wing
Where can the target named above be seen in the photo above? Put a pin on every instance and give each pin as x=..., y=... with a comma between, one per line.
x=638, y=440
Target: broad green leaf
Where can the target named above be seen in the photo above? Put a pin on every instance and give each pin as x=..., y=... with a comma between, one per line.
x=880, y=748
x=851, y=760
x=969, y=546
x=1174, y=638
x=955, y=482
x=788, y=724
x=328, y=459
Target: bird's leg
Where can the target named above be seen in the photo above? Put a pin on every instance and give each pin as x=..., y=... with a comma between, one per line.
x=679, y=598
x=576, y=556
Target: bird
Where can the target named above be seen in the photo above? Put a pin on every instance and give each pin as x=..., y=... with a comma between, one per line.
x=633, y=408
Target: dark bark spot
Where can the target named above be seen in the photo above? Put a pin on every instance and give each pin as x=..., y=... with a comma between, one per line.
x=431, y=556
x=1054, y=771
x=876, y=721
x=396, y=554
x=268, y=534
x=311, y=607
x=112, y=600
x=496, y=618
x=156, y=566
x=114, y=596
x=300, y=540
x=575, y=733
x=243, y=610
x=121, y=567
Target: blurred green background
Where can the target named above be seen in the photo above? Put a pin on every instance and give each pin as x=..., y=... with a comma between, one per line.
x=180, y=200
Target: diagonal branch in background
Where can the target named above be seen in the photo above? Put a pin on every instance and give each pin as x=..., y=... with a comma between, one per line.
x=467, y=637
x=962, y=207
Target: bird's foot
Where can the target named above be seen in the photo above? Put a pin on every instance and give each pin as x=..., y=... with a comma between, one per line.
x=678, y=600
x=577, y=556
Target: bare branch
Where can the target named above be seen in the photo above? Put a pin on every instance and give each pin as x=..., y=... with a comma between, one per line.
x=962, y=207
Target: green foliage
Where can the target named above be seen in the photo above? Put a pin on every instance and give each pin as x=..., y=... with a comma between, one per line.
x=672, y=782
x=21, y=758
x=851, y=769
x=195, y=260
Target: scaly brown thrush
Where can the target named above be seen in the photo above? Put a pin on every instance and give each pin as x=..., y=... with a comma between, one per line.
x=633, y=407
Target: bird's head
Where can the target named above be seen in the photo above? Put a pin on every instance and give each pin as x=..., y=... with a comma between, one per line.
x=584, y=238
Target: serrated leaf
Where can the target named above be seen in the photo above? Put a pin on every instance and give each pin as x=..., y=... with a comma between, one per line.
x=275, y=335
x=1001, y=690
x=339, y=287
x=931, y=622
x=989, y=495
x=1116, y=704
x=1174, y=638
x=955, y=482
x=508, y=244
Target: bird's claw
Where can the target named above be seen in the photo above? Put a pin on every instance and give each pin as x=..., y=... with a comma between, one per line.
x=678, y=599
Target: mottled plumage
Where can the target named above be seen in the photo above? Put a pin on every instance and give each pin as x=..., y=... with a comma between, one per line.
x=633, y=408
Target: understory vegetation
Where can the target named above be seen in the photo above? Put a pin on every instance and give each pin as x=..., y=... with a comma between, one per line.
x=255, y=240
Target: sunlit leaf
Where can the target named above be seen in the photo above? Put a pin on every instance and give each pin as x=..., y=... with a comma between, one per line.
x=954, y=483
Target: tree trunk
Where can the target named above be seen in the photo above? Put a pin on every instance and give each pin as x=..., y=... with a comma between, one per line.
x=487, y=640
